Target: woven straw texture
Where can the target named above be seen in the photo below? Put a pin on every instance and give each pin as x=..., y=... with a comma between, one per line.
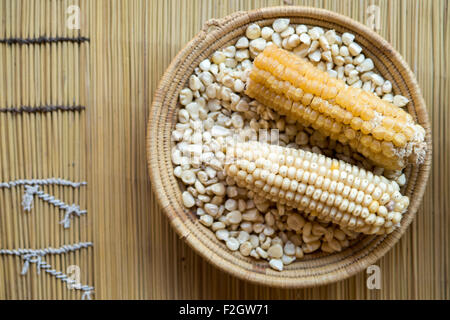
x=137, y=254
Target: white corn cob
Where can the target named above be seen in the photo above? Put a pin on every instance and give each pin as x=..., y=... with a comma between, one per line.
x=330, y=189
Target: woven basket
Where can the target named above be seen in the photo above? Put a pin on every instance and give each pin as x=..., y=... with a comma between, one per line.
x=315, y=269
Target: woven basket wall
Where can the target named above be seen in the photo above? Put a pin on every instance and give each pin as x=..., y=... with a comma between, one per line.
x=314, y=269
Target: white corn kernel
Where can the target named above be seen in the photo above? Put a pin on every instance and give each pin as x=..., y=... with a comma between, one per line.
x=266, y=33
x=232, y=244
x=253, y=31
x=279, y=25
x=276, y=264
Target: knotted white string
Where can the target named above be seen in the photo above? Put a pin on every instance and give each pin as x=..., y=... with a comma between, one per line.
x=27, y=203
x=86, y=295
x=36, y=256
x=32, y=187
x=31, y=258
x=27, y=200
x=73, y=209
x=56, y=181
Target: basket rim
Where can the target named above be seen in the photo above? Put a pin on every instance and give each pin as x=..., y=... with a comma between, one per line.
x=215, y=258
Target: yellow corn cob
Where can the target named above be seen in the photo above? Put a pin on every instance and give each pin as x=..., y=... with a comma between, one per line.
x=380, y=131
x=330, y=189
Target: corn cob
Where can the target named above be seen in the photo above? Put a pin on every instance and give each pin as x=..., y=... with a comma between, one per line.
x=330, y=189
x=380, y=131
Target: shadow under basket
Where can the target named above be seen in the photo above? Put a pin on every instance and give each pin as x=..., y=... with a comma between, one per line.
x=314, y=269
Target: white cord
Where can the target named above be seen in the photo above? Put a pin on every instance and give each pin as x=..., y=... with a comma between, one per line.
x=32, y=187
x=35, y=256
x=57, y=181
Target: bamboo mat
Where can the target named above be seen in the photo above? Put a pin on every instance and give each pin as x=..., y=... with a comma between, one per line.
x=113, y=74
